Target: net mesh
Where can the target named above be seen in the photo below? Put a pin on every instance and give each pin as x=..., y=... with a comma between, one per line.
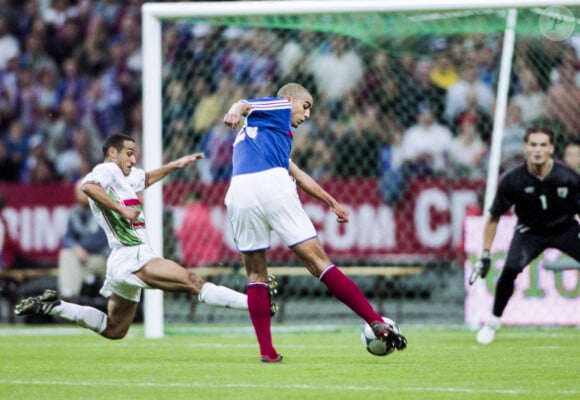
x=376, y=78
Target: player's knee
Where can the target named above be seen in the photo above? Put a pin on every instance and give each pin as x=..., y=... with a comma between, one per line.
x=114, y=334
x=115, y=331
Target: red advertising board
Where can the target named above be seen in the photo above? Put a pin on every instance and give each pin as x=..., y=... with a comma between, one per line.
x=426, y=224
x=37, y=216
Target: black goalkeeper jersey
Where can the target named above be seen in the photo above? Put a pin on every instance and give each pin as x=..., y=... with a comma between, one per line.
x=541, y=205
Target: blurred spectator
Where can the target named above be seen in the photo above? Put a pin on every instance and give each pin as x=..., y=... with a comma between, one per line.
x=487, y=64
x=176, y=112
x=59, y=136
x=200, y=241
x=9, y=168
x=379, y=84
x=531, y=98
x=217, y=145
x=119, y=91
x=17, y=144
x=9, y=46
x=330, y=70
x=405, y=69
x=474, y=112
x=101, y=111
x=93, y=53
x=321, y=161
x=74, y=84
x=468, y=150
x=134, y=57
x=72, y=163
x=8, y=93
x=235, y=59
x=425, y=90
x=292, y=58
x=8, y=11
x=46, y=96
x=43, y=171
x=443, y=74
x=513, y=137
x=210, y=109
x=134, y=124
x=393, y=169
x=572, y=155
x=27, y=107
x=457, y=93
x=415, y=87
x=264, y=69
x=426, y=145
x=35, y=56
x=83, y=255
x=25, y=20
x=312, y=152
x=457, y=52
x=109, y=11
x=65, y=40
x=563, y=100
x=356, y=148
x=59, y=12
x=36, y=151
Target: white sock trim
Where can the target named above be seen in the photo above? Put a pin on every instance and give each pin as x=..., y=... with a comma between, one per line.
x=326, y=270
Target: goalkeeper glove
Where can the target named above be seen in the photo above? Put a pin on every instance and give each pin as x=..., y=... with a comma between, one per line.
x=481, y=268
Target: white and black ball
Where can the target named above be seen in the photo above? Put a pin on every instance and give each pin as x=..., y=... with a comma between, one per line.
x=376, y=346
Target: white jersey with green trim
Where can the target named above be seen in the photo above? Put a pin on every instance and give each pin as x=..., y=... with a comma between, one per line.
x=123, y=189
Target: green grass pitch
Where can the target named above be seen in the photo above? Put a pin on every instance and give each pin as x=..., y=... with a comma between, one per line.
x=321, y=362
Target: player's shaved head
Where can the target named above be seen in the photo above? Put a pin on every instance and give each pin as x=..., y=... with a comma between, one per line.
x=293, y=90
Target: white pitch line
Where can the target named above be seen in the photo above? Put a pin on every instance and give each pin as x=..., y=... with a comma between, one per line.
x=352, y=388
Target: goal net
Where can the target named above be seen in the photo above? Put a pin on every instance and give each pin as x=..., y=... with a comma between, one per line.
x=474, y=74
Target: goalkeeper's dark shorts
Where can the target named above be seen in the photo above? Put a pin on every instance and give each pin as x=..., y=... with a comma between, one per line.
x=527, y=246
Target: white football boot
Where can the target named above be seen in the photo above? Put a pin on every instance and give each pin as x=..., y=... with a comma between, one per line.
x=487, y=333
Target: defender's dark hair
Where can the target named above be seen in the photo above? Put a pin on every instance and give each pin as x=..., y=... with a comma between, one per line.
x=116, y=140
x=539, y=129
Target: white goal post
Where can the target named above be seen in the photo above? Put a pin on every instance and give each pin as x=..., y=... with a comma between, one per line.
x=154, y=13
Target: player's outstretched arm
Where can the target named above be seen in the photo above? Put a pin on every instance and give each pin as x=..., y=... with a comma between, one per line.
x=98, y=194
x=235, y=113
x=489, y=231
x=157, y=174
x=312, y=187
x=483, y=266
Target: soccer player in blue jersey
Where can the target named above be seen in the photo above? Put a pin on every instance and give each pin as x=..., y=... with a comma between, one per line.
x=262, y=197
x=546, y=197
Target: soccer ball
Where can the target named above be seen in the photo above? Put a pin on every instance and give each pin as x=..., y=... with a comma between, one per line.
x=375, y=346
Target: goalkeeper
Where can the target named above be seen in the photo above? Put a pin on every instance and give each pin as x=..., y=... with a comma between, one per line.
x=546, y=196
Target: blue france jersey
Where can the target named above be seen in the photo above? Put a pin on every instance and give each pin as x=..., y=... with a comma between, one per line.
x=265, y=140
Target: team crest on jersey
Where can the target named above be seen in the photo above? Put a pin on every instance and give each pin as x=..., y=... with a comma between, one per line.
x=529, y=189
x=562, y=192
x=251, y=131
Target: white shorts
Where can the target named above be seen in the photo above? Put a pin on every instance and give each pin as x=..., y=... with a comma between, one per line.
x=121, y=265
x=266, y=201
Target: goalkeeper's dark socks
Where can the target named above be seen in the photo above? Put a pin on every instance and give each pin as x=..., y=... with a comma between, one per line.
x=345, y=290
x=259, y=309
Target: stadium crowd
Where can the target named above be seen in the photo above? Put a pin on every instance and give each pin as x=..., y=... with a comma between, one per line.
x=70, y=75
